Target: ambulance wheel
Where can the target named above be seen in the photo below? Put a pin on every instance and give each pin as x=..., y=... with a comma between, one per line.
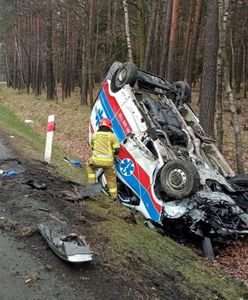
x=126, y=74
x=180, y=179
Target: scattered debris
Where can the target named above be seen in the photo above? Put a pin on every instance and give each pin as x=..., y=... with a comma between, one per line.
x=84, y=278
x=131, y=219
x=48, y=268
x=1, y=171
x=28, y=231
x=35, y=184
x=44, y=209
x=82, y=191
x=33, y=278
x=73, y=162
x=9, y=173
x=71, y=248
x=150, y=225
x=57, y=219
x=8, y=223
x=28, y=121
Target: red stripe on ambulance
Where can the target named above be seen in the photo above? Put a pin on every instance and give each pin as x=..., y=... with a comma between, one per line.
x=117, y=110
x=141, y=176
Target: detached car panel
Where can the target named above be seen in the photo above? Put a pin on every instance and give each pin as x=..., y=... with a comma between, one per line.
x=167, y=168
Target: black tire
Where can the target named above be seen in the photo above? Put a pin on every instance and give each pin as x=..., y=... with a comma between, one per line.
x=180, y=179
x=240, y=179
x=105, y=189
x=126, y=74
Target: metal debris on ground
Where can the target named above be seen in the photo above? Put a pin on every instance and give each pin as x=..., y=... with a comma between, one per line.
x=71, y=248
x=82, y=191
x=35, y=184
x=44, y=209
x=32, y=279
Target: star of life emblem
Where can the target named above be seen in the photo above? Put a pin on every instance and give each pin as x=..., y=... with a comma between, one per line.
x=127, y=167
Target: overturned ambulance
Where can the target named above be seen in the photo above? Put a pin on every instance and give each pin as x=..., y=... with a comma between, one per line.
x=167, y=168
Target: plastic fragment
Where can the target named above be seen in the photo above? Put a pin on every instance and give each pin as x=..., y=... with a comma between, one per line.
x=9, y=173
x=76, y=163
x=73, y=162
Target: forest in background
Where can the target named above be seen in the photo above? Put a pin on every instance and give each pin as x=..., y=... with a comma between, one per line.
x=46, y=45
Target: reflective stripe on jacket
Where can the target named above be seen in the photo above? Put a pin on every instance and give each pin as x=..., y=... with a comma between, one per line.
x=103, y=144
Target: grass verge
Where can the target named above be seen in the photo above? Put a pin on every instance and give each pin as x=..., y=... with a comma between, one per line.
x=32, y=146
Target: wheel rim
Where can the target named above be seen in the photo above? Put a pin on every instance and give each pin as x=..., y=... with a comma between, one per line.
x=122, y=76
x=177, y=179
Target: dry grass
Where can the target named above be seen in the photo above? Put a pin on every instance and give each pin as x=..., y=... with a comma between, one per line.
x=71, y=119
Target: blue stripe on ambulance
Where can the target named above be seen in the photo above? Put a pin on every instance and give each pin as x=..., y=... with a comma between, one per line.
x=134, y=183
x=110, y=115
x=131, y=180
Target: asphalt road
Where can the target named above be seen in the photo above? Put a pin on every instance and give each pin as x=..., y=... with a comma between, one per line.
x=24, y=277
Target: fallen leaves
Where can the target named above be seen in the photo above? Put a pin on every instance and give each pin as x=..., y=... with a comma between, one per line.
x=234, y=261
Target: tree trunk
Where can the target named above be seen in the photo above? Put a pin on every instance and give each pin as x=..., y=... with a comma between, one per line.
x=208, y=87
x=128, y=38
x=155, y=59
x=220, y=73
x=186, y=40
x=245, y=70
x=8, y=75
x=37, y=87
x=141, y=32
x=28, y=82
x=150, y=37
x=173, y=39
x=92, y=11
x=189, y=71
x=50, y=80
x=235, y=122
x=233, y=108
x=84, y=89
x=167, y=22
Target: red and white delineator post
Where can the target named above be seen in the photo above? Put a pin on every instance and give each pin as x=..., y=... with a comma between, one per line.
x=49, y=138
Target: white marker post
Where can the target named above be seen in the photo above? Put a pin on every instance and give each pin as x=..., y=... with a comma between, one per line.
x=49, y=138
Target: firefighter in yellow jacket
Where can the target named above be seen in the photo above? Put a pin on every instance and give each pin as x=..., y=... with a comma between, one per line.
x=105, y=147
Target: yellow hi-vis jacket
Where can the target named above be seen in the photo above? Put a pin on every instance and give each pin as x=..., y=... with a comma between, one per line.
x=103, y=145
